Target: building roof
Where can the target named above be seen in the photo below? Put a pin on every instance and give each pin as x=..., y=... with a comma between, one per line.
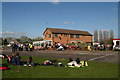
x=67, y=31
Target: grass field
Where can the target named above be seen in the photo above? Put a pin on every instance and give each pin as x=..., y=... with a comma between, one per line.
x=94, y=70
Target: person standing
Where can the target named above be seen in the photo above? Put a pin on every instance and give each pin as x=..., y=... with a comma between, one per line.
x=16, y=46
x=58, y=44
x=19, y=48
x=26, y=46
x=31, y=47
x=89, y=48
x=13, y=61
x=13, y=47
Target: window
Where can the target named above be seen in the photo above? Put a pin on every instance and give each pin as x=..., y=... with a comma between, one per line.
x=49, y=35
x=45, y=36
x=49, y=43
x=77, y=36
x=42, y=44
x=71, y=36
x=56, y=35
x=84, y=35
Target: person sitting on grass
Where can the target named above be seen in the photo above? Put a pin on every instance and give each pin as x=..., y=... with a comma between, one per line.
x=3, y=56
x=49, y=62
x=30, y=62
x=83, y=63
x=60, y=64
x=8, y=58
x=73, y=63
x=18, y=59
x=13, y=61
x=77, y=63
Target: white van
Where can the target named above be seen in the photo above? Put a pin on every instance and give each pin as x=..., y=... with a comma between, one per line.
x=116, y=45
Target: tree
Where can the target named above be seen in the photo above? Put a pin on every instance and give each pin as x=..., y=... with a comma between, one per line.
x=106, y=36
x=23, y=39
x=109, y=41
x=100, y=37
x=38, y=39
x=95, y=36
x=18, y=40
x=111, y=34
x=1, y=41
x=9, y=39
x=5, y=42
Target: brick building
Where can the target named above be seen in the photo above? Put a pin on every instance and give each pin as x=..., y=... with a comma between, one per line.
x=65, y=36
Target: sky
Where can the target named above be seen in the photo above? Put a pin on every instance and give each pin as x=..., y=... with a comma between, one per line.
x=32, y=18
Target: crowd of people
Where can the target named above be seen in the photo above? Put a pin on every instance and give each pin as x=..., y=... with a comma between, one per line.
x=15, y=59
x=20, y=47
x=88, y=47
x=59, y=47
x=102, y=47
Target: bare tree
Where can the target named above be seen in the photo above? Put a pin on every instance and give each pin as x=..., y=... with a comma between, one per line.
x=38, y=39
x=106, y=36
x=23, y=38
x=95, y=36
x=111, y=34
x=100, y=36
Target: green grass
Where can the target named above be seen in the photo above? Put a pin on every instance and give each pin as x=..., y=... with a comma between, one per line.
x=94, y=70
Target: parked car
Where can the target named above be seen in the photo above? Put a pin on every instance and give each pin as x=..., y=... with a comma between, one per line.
x=116, y=45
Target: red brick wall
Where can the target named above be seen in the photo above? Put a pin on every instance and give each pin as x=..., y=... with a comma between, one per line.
x=66, y=39
x=46, y=33
x=61, y=39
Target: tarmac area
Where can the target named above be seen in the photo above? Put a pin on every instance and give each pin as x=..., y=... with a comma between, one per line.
x=103, y=56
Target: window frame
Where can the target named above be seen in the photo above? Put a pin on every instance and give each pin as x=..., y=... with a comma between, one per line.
x=55, y=35
x=71, y=35
x=77, y=36
x=49, y=35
